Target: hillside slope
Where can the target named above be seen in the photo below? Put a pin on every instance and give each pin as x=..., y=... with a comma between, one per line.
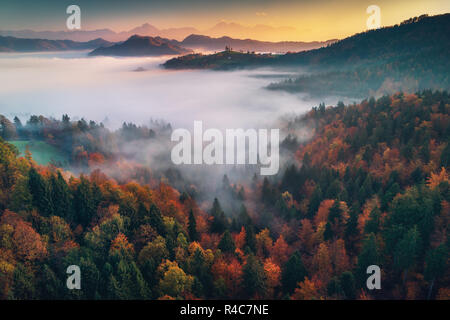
x=411, y=56
x=141, y=46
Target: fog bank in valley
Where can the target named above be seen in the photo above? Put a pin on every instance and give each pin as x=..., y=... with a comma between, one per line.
x=116, y=90
x=112, y=91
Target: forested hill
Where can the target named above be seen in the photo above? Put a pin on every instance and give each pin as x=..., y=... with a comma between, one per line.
x=408, y=57
x=424, y=35
x=136, y=46
x=370, y=187
x=225, y=60
x=421, y=36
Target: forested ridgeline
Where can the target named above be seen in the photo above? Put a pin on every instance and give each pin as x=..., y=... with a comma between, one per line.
x=371, y=187
x=409, y=56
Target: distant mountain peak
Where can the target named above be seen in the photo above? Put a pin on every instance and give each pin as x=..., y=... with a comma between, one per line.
x=145, y=29
x=138, y=45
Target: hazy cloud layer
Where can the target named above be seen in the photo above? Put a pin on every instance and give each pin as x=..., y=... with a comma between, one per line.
x=112, y=91
x=109, y=88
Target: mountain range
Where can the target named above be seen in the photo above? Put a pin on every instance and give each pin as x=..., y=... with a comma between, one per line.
x=107, y=34
x=12, y=44
x=145, y=45
x=231, y=29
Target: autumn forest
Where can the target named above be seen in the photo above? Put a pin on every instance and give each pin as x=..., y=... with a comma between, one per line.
x=224, y=156
x=370, y=187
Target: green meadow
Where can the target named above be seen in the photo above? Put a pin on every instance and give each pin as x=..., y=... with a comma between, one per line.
x=42, y=152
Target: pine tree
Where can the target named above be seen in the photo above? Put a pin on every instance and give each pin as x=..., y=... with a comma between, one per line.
x=96, y=195
x=351, y=229
x=333, y=190
x=334, y=287
x=192, y=227
x=220, y=223
x=244, y=218
x=328, y=233
x=366, y=190
x=348, y=285
x=267, y=195
x=19, y=126
x=373, y=224
x=436, y=264
x=253, y=278
x=21, y=198
x=335, y=213
x=141, y=215
x=83, y=202
x=445, y=156
x=156, y=220
x=39, y=190
x=22, y=285
x=250, y=238
x=48, y=285
x=226, y=244
x=425, y=152
x=315, y=201
x=407, y=251
x=293, y=273
x=61, y=197
x=369, y=256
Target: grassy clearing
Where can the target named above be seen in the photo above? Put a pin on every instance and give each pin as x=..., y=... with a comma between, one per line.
x=42, y=152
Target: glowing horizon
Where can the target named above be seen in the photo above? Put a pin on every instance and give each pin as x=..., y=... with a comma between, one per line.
x=295, y=20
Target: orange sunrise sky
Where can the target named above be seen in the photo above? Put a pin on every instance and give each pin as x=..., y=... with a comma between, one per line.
x=300, y=20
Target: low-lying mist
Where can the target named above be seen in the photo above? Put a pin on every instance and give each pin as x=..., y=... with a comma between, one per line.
x=112, y=90
x=116, y=90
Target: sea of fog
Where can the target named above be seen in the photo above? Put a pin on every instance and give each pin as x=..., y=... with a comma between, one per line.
x=112, y=90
